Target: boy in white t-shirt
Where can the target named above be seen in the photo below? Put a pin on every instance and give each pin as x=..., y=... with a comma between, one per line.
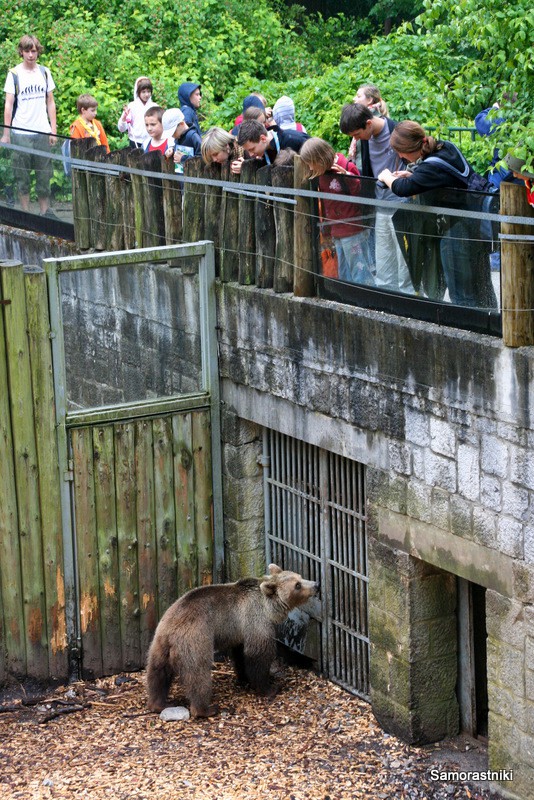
x=30, y=108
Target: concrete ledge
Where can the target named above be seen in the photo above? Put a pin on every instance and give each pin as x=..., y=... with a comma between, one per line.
x=335, y=435
x=464, y=558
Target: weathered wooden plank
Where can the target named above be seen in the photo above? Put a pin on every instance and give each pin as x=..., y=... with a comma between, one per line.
x=154, y=222
x=12, y=641
x=283, y=215
x=203, y=495
x=193, y=213
x=184, y=502
x=265, y=233
x=127, y=200
x=108, y=556
x=133, y=160
x=212, y=210
x=125, y=485
x=49, y=474
x=172, y=205
x=517, y=271
x=146, y=533
x=246, y=231
x=114, y=201
x=87, y=552
x=80, y=197
x=165, y=515
x=304, y=278
x=26, y=469
x=229, y=262
x=96, y=190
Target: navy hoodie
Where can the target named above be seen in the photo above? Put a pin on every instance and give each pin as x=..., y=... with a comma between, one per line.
x=190, y=113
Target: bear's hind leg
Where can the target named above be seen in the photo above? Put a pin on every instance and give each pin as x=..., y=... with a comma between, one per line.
x=159, y=677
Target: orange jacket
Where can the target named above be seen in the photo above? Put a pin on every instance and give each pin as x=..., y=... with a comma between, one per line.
x=77, y=131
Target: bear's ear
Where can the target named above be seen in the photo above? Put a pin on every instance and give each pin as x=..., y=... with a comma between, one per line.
x=274, y=569
x=268, y=588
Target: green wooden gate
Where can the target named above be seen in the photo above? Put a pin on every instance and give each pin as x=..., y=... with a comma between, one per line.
x=137, y=413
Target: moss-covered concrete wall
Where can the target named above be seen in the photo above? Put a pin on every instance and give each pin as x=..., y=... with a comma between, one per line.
x=444, y=422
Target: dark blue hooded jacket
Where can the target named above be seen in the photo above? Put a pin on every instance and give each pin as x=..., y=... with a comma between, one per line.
x=190, y=113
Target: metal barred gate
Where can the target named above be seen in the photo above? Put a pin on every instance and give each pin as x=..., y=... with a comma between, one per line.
x=315, y=504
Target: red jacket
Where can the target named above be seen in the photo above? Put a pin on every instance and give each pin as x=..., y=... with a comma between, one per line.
x=343, y=217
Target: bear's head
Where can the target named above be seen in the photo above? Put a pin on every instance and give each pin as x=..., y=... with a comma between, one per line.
x=286, y=590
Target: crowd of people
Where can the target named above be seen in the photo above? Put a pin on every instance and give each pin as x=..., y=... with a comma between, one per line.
x=372, y=243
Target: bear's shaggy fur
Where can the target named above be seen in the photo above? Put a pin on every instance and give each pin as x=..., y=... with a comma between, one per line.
x=238, y=617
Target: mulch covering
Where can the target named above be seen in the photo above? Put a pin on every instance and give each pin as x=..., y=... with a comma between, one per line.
x=314, y=741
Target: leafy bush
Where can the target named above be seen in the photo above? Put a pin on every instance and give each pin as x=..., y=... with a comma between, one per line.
x=454, y=59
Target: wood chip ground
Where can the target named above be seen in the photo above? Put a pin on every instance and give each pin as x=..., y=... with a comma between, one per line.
x=314, y=741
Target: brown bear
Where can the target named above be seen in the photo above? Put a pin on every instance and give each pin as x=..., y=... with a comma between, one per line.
x=238, y=617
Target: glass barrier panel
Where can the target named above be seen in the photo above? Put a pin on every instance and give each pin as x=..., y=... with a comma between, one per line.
x=35, y=173
x=411, y=250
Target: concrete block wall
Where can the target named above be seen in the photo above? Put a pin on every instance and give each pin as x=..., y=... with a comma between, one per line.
x=444, y=422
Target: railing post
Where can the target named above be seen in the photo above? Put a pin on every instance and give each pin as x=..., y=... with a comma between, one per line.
x=517, y=269
x=283, y=215
x=303, y=280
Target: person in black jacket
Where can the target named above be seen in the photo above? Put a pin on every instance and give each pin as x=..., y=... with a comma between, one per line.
x=440, y=165
x=259, y=142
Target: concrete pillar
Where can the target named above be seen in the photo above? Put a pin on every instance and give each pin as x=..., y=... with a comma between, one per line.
x=244, y=522
x=510, y=625
x=412, y=628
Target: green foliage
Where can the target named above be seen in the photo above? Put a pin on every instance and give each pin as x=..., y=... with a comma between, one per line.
x=456, y=58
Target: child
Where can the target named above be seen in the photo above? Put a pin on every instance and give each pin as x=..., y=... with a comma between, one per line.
x=190, y=97
x=342, y=218
x=158, y=139
x=284, y=115
x=86, y=125
x=187, y=142
x=132, y=118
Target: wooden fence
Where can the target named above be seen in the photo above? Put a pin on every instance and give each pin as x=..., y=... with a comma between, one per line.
x=256, y=242
x=33, y=637
x=141, y=531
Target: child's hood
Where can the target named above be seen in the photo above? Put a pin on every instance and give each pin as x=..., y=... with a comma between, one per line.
x=140, y=78
x=184, y=93
x=284, y=110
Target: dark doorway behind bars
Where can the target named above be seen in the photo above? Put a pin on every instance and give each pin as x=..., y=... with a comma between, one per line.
x=315, y=513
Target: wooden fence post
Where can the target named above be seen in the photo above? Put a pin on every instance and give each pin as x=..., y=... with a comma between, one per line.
x=26, y=469
x=212, y=211
x=134, y=161
x=127, y=202
x=48, y=477
x=517, y=270
x=246, y=232
x=153, y=222
x=12, y=635
x=303, y=230
x=96, y=190
x=193, y=202
x=172, y=205
x=229, y=265
x=114, y=204
x=80, y=197
x=283, y=215
x=265, y=232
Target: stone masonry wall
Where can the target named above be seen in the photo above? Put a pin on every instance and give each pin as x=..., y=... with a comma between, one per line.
x=444, y=421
